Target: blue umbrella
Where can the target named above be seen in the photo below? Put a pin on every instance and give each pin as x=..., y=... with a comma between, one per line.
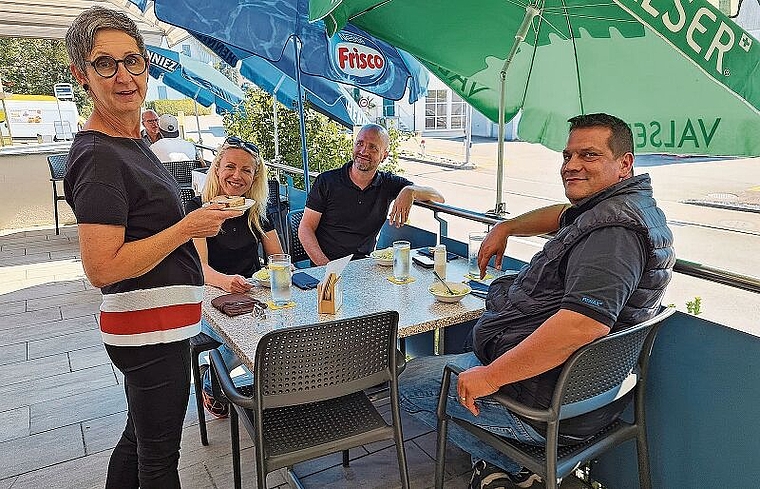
x=268, y=28
x=194, y=79
x=327, y=97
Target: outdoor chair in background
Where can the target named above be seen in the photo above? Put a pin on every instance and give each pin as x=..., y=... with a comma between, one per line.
x=57, y=164
x=295, y=248
x=291, y=418
x=277, y=210
x=182, y=171
x=186, y=194
x=198, y=344
x=594, y=376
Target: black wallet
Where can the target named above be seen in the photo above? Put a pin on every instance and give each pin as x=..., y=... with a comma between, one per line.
x=304, y=281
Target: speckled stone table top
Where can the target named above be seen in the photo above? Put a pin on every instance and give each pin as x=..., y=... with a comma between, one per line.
x=365, y=290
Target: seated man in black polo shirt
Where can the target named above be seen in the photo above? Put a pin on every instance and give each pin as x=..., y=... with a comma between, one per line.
x=347, y=207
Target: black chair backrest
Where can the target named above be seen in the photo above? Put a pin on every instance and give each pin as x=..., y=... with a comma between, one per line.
x=324, y=361
x=57, y=164
x=186, y=194
x=295, y=248
x=600, y=367
x=182, y=171
x=273, y=200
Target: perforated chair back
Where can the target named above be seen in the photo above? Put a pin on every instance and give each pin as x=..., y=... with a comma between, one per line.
x=57, y=165
x=182, y=171
x=277, y=210
x=309, y=397
x=186, y=194
x=341, y=357
x=295, y=248
x=594, y=376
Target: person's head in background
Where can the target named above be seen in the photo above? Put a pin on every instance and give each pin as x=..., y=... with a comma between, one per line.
x=239, y=170
x=168, y=126
x=108, y=58
x=150, y=123
x=370, y=147
x=598, y=154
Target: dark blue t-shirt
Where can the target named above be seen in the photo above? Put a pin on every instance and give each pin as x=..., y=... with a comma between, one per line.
x=351, y=217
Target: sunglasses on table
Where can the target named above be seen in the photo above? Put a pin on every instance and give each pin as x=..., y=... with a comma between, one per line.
x=107, y=66
x=236, y=142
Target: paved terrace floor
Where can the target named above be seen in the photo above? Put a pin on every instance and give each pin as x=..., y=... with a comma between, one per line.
x=62, y=404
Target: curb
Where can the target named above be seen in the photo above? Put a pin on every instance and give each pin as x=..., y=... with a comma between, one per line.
x=453, y=165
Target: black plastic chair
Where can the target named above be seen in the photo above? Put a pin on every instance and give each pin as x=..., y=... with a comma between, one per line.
x=277, y=210
x=594, y=376
x=198, y=344
x=182, y=171
x=186, y=194
x=308, y=396
x=295, y=248
x=57, y=164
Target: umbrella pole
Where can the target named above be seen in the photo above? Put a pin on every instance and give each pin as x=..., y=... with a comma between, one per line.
x=301, y=117
x=530, y=13
x=275, y=120
x=198, y=123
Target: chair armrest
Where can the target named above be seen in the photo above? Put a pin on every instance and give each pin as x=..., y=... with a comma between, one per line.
x=520, y=408
x=219, y=370
x=508, y=402
x=445, y=383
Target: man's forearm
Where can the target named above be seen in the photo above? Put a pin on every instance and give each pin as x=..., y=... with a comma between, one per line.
x=547, y=347
x=538, y=221
x=426, y=193
x=311, y=246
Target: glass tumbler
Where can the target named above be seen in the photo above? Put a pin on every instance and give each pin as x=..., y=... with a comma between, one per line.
x=473, y=247
x=402, y=258
x=279, y=278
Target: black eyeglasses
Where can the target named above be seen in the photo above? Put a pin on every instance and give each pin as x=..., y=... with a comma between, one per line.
x=107, y=66
x=236, y=142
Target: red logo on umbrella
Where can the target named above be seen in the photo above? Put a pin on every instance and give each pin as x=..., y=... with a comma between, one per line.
x=358, y=59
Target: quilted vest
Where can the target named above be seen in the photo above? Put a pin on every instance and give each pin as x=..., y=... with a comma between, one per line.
x=539, y=289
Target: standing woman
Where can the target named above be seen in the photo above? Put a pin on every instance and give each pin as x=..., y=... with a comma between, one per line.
x=237, y=170
x=136, y=246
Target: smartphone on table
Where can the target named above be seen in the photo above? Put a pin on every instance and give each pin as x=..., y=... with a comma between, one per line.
x=304, y=281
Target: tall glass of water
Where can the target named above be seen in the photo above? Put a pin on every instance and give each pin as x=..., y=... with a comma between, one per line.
x=402, y=258
x=476, y=239
x=279, y=278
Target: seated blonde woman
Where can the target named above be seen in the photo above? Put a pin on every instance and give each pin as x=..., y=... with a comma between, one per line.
x=233, y=254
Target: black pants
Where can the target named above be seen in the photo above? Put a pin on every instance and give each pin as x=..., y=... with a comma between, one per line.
x=157, y=384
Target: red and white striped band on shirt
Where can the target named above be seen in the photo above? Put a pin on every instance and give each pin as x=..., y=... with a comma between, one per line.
x=151, y=316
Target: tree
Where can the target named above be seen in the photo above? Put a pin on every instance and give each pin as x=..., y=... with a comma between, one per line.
x=329, y=144
x=33, y=66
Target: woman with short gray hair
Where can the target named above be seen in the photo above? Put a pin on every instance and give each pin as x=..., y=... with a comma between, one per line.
x=136, y=245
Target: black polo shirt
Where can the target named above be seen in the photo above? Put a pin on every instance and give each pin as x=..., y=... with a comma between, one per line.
x=351, y=217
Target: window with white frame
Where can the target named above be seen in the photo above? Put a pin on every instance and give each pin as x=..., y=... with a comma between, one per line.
x=444, y=109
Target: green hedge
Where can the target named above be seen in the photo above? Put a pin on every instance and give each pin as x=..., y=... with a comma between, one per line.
x=173, y=107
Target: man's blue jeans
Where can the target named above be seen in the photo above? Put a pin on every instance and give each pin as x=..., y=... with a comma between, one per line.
x=419, y=386
x=231, y=360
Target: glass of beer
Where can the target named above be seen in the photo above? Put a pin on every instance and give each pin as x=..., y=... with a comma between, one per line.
x=402, y=258
x=279, y=278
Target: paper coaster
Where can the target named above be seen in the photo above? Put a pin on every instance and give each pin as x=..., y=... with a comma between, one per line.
x=274, y=307
x=477, y=277
x=408, y=280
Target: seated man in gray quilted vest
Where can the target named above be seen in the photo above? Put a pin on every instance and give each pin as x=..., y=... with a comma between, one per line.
x=607, y=267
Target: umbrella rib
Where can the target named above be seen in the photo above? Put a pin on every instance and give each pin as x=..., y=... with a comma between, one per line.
x=575, y=57
x=368, y=9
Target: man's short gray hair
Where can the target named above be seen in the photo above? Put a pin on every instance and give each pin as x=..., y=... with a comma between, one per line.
x=380, y=130
x=80, y=38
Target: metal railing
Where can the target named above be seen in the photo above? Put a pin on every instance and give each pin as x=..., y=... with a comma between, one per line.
x=685, y=267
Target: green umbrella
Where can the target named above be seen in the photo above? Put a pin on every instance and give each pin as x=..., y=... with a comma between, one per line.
x=683, y=75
